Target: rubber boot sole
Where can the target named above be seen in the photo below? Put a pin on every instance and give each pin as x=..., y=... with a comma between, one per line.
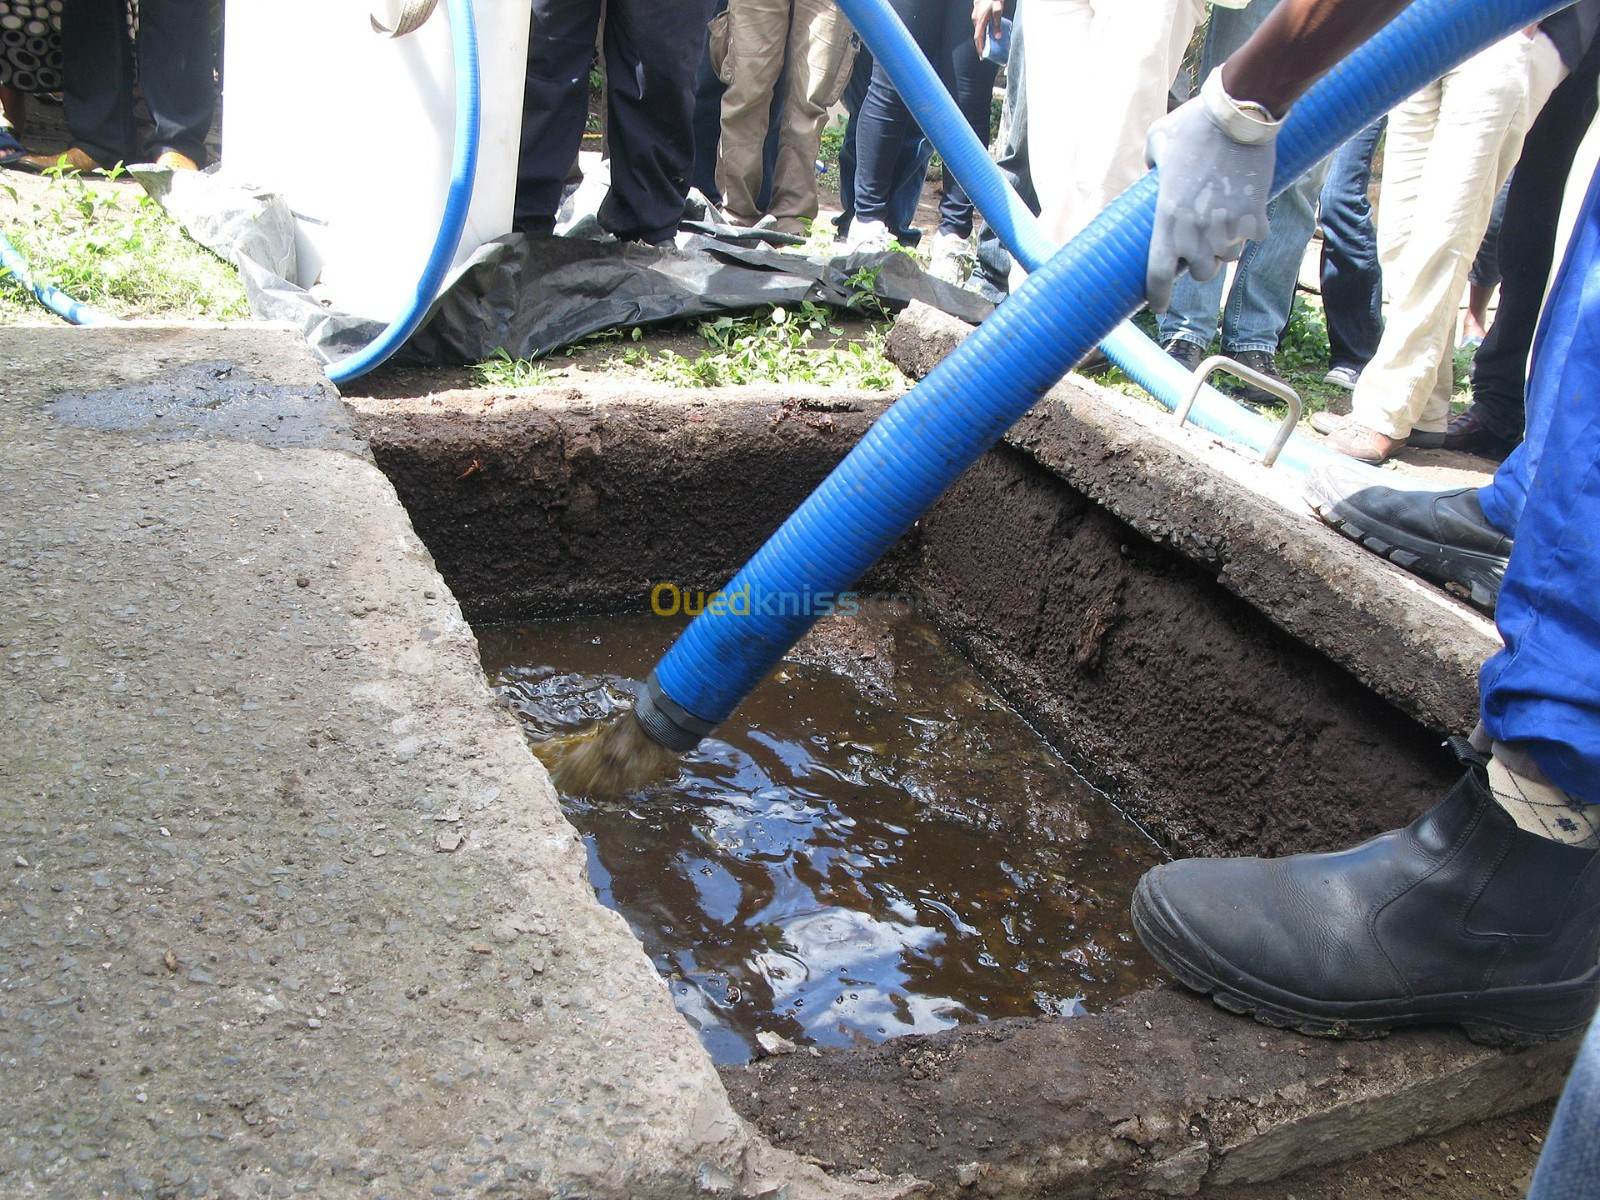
x=1472, y=576
x=1507, y=1018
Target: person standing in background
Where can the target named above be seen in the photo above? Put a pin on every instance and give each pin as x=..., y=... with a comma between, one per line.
x=812, y=39
x=651, y=53
x=173, y=59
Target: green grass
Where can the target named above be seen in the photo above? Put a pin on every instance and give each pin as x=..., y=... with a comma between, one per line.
x=503, y=371
x=116, y=250
x=779, y=346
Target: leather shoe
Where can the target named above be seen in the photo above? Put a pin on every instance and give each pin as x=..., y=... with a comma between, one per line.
x=175, y=161
x=1460, y=918
x=1187, y=354
x=1468, y=434
x=72, y=160
x=1262, y=363
x=1441, y=536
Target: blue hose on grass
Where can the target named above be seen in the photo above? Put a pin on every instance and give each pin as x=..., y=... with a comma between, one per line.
x=937, y=430
x=463, y=172
x=53, y=298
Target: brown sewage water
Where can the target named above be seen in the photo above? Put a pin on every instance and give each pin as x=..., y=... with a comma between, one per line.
x=874, y=845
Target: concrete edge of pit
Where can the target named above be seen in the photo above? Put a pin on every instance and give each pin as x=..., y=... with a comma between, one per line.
x=1245, y=524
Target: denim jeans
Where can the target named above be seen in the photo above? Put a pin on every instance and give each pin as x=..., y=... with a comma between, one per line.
x=910, y=169
x=1352, y=281
x=943, y=31
x=992, y=276
x=1258, y=304
x=1569, y=1164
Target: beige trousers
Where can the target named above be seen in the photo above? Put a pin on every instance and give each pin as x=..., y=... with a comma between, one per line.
x=815, y=39
x=1450, y=147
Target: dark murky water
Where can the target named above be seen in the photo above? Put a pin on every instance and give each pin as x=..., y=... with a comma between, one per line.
x=875, y=845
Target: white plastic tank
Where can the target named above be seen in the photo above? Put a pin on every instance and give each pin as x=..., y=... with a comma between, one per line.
x=357, y=131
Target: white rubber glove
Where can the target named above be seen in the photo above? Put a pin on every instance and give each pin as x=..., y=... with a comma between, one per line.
x=1215, y=157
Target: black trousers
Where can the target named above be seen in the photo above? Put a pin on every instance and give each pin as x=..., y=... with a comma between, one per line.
x=1527, y=245
x=177, y=60
x=651, y=52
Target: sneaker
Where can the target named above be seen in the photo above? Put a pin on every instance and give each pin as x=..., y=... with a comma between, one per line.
x=953, y=258
x=1343, y=377
x=1441, y=536
x=1461, y=918
x=867, y=237
x=1262, y=363
x=1188, y=355
x=1344, y=424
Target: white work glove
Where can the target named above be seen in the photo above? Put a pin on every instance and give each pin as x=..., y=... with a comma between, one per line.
x=1216, y=157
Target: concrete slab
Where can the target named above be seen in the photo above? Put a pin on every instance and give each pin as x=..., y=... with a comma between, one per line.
x=1186, y=489
x=288, y=907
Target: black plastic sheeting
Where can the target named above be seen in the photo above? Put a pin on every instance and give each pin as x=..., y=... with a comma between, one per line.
x=530, y=296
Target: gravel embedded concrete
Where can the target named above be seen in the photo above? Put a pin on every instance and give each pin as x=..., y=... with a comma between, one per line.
x=289, y=909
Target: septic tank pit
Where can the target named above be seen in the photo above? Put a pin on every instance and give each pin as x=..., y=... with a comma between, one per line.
x=1202, y=655
x=875, y=845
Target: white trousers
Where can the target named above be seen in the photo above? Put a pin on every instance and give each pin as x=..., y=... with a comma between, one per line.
x=1097, y=78
x=1450, y=148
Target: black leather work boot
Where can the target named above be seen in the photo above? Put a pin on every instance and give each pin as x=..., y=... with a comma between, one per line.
x=1459, y=918
x=1442, y=536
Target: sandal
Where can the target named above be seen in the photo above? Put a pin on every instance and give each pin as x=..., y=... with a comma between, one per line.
x=10, y=149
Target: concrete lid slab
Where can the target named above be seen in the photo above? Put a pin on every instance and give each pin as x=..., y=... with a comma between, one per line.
x=288, y=906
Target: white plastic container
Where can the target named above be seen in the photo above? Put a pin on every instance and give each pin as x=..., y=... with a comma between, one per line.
x=357, y=131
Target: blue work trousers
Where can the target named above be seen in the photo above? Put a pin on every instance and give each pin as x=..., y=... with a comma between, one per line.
x=1541, y=693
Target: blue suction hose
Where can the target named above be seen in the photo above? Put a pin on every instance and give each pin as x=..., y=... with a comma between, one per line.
x=53, y=298
x=942, y=426
x=965, y=156
x=463, y=172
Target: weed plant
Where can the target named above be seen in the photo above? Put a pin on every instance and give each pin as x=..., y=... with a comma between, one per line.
x=778, y=346
x=503, y=371
x=117, y=251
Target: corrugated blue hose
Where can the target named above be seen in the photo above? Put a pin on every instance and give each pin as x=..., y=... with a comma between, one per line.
x=942, y=426
x=463, y=174
x=53, y=298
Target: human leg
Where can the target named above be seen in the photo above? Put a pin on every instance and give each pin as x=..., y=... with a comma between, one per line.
x=818, y=56
x=972, y=84
x=97, y=70
x=884, y=125
x=1262, y=292
x=1541, y=693
x=1527, y=235
x=555, y=105
x=1482, y=110
x=758, y=31
x=994, y=260
x=1569, y=1162
x=1195, y=310
x=1352, y=281
x=651, y=57
x=177, y=75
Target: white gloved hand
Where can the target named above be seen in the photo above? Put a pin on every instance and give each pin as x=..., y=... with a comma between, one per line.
x=1216, y=158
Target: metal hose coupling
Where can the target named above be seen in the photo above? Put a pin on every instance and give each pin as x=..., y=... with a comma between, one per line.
x=666, y=721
